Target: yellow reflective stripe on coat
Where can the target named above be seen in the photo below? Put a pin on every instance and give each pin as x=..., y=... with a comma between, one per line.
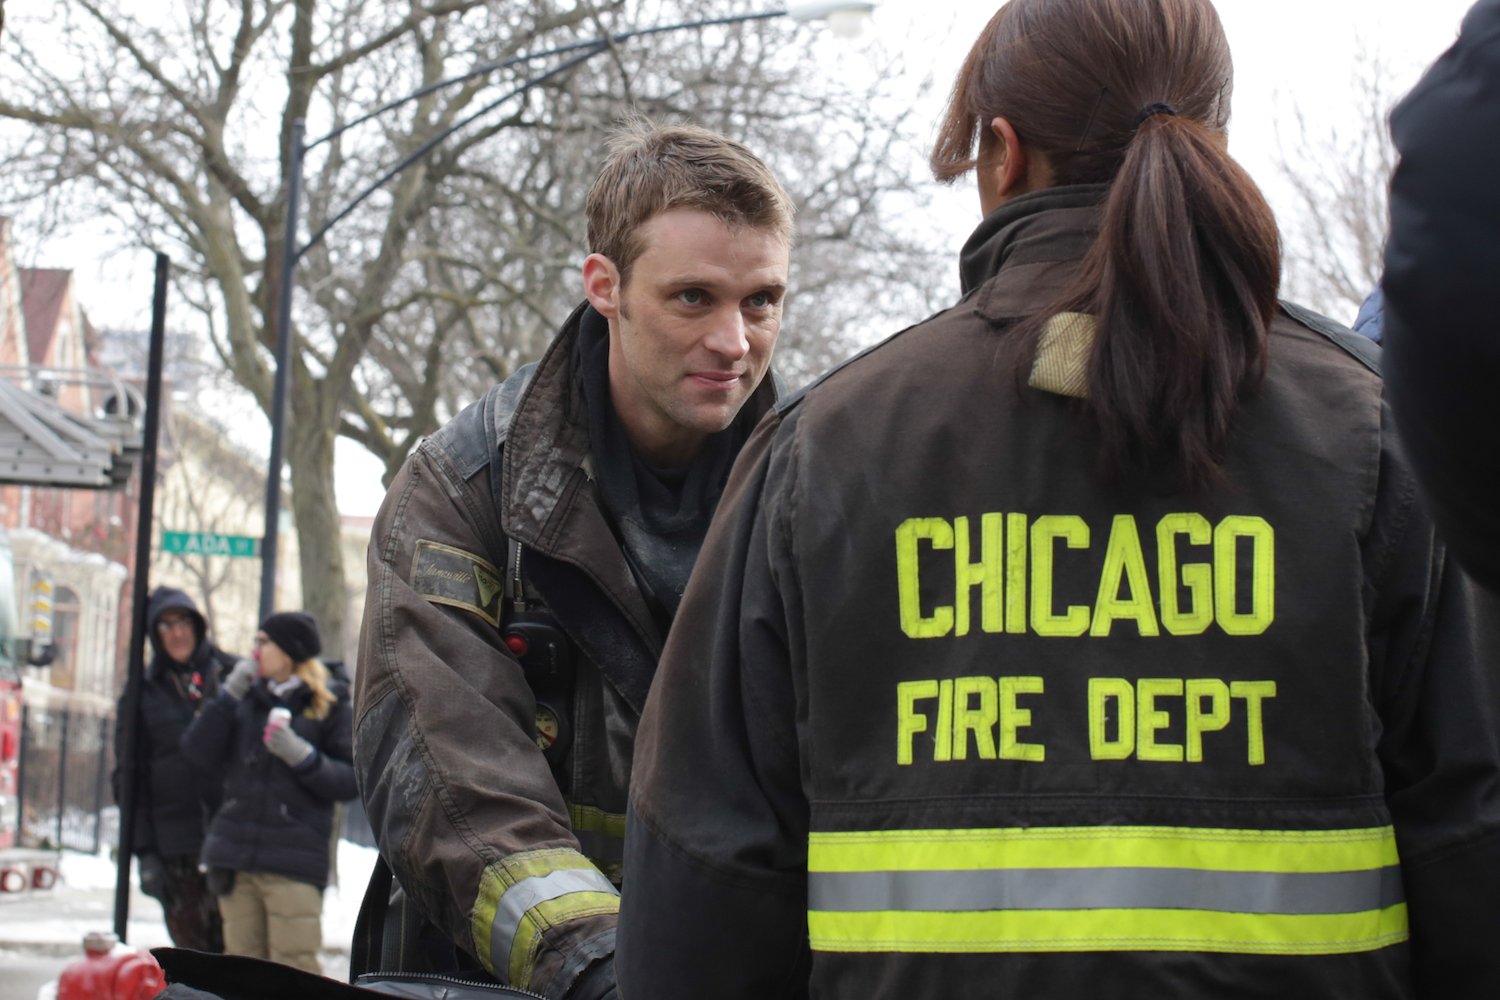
x=525, y=895
x=1057, y=889
x=602, y=836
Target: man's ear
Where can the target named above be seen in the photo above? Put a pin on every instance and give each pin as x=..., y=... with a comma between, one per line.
x=601, y=284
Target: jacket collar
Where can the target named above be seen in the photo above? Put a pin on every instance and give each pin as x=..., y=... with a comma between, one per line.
x=1025, y=250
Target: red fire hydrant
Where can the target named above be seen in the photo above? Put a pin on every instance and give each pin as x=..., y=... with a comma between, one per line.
x=104, y=973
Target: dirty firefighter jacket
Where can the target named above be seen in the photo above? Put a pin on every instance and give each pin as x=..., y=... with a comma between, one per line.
x=943, y=715
x=465, y=808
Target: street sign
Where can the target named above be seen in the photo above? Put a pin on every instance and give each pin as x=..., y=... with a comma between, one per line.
x=209, y=544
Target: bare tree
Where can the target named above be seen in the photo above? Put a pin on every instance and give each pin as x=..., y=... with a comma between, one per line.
x=454, y=271
x=1334, y=240
x=212, y=486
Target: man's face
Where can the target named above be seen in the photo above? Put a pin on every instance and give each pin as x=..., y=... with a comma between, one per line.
x=178, y=635
x=691, y=332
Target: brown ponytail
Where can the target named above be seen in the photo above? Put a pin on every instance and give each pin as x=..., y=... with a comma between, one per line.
x=1183, y=277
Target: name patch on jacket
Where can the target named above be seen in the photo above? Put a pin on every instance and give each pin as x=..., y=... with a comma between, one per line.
x=446, y=575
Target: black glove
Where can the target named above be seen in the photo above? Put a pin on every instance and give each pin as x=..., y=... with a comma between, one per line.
x=153, y=872
x=596, y=983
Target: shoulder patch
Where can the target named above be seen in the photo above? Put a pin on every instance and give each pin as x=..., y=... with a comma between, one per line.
x=446, y=575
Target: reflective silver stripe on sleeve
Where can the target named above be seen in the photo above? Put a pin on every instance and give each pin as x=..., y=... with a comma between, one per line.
x=527, y=893
x=1106, y=888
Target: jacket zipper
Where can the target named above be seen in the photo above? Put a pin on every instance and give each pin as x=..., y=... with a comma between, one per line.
x=437, y=977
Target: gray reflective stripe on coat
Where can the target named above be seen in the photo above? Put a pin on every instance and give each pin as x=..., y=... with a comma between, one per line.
x=1106, y=889
x=527, y=893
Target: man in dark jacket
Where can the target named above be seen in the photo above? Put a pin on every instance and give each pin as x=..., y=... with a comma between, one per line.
x=174, y=800
x=530, y=556
x=1442, y=324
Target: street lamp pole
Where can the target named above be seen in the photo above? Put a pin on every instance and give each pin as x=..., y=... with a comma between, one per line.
x=290, y=254
x=841, y=16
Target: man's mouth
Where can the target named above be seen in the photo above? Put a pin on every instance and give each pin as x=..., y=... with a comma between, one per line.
x=721, y=380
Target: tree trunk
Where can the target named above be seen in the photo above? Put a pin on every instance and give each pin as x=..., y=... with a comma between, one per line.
x=310, y=457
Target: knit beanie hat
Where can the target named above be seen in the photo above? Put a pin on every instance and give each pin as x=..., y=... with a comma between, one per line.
x=296, y=632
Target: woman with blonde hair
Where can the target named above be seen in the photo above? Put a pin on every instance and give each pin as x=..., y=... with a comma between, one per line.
x=281, y=729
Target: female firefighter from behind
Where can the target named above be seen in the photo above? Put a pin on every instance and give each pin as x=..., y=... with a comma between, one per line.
x=282, y=730
x=1086, y=639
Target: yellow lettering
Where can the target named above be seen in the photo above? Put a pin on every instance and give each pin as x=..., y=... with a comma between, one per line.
x=968, y=719
x=1148, y=720
x=1074, y=531
x=1013, y=717
x=1254, y=692
x=912, y=531
x=1103, y=690
x=1124, y=562
x=1015, y=573
x=986, y=574
x=1196, y=577
x=1262, y=575
x=1200, y=720
x=943, y=751
x=910, y=722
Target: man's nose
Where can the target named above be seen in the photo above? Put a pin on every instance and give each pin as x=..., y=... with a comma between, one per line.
x=728, y=336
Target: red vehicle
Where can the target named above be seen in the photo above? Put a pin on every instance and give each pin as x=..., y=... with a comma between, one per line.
x=10, y=754
x=21, y=870
x=10, y=704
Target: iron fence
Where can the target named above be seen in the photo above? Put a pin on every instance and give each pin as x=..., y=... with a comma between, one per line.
x=66, y=758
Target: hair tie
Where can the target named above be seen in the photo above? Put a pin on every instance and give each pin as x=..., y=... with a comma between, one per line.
x=1155, y=108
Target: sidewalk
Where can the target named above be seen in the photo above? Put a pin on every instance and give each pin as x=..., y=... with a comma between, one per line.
x=52, y=923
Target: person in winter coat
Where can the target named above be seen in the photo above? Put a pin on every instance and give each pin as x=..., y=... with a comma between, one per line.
x=529, y=558
x=281, y=730
x=174, y=800
x=1442, y=301
x=1088, y=639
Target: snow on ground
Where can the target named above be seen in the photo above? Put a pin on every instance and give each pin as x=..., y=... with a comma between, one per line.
x=90, y=871
x=83, y=901
x=341, y=902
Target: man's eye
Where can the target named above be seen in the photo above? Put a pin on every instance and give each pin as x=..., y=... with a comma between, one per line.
x=760, y=300
x=691, y=296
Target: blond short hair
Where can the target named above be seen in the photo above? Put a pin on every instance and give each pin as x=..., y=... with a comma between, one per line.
x=653, y=168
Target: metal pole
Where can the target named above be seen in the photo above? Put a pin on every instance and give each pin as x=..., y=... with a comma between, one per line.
x=129, y=746
x=289, y=257
x=23, y=758
x=62, y=773
x=99, y=784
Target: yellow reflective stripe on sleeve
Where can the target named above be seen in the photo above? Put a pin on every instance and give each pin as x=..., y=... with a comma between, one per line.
x=524, y=895
x=549, y=913
x=1107, y=930
x=1106, y=888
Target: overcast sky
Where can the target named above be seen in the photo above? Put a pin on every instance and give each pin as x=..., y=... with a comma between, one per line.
x=1288, y=55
